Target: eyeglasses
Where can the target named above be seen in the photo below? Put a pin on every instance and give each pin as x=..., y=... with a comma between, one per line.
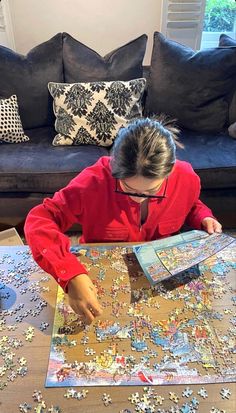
x=142, y=195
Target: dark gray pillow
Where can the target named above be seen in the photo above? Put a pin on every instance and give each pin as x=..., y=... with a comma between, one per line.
x=193, y=87
x=225, y=40
x=27, y=77
x=82, y=64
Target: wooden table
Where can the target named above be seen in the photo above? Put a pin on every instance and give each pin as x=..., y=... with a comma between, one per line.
x=36, y=353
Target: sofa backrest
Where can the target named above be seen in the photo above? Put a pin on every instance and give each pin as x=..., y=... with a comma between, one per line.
x=64, y=59
x=28, y=77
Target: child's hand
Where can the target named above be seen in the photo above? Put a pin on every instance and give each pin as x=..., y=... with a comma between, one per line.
x=210, y=225
x=83, y=298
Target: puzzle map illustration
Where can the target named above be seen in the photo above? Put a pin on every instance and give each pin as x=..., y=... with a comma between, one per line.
x=180, y=331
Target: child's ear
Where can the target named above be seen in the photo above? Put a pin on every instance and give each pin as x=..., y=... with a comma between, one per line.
x=232, y=130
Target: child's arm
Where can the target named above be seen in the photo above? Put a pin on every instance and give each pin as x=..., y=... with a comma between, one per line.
x=44, y=231
x=51, y=250
x=200, y=216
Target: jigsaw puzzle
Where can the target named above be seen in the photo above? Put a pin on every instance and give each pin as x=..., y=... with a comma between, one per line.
x=180, y=331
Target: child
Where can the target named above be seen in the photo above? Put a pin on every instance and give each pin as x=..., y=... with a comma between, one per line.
x=140, y=193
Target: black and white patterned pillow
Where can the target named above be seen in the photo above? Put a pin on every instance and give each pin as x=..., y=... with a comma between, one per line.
x=11, y=129
x=92, y=113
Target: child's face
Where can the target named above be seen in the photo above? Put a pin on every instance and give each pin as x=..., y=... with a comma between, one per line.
x=141, y=185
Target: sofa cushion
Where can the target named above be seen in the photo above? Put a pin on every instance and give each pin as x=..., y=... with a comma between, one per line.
x=27, y=77
x=226, y=41
x=212, y=156
x=93, y=112
x=11, y=130
x=193, y=87
x=37, y=166
x=82, y=64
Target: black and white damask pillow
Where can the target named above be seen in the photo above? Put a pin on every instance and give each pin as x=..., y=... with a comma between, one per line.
x=92, y=113
x=11, y=130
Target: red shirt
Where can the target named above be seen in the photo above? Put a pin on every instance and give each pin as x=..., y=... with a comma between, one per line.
x=106, y=216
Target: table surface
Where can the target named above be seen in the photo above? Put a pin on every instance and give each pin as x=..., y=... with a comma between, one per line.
x=20, y=390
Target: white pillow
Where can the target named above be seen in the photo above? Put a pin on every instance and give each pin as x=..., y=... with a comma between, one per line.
x=93, y=113
x=11, y=129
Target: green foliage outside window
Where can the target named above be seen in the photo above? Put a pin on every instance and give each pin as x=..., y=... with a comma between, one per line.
x=220, y=16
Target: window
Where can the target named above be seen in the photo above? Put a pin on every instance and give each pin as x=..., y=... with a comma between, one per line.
x=220, y=17
x=198, y=23
x=182, y=21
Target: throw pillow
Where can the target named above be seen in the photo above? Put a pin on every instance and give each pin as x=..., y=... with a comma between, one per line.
x=193, y=87
x=232, y=130
x=227, y=41
x=82, y=64
x=27, y=77
x=11, y=130
x=92, y=113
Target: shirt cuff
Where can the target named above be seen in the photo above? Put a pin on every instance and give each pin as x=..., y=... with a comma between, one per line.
x=71, y=268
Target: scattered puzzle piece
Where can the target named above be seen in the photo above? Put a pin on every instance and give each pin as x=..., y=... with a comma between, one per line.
x=225, y=393
x=203, y=393
x=37, y=396
x=25, y=408
x=106, y=398
x=187, y=392
x=173, y=397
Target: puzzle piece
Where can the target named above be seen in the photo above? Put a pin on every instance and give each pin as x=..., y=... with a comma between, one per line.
x=203, y=393
x=106, y=398
x=194, y=402
x=22, y=371
x=54, y=409
x=186, y=408
x=173, y=397
x=22, y=361
x=187, y=392
x=84, y=340
x=225, y=393
x=29, y=337
x=134, y=398
x=81, y=394
x=43, y=326
x=89, y=351
x=70, y=393
x=37, y=396
x=25, y=407
x=3, y=370
x=12, y=376
x=158, y=399
x=40, y=407
x=145, y=407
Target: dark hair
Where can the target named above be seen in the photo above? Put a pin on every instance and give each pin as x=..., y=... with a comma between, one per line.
x=145, y=147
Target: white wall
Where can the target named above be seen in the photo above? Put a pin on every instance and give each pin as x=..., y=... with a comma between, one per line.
x=3, y=36
x=102, y=25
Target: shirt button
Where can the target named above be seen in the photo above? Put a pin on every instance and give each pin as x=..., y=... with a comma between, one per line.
x=58, y=280
x=44, y=251
x=62, y=271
